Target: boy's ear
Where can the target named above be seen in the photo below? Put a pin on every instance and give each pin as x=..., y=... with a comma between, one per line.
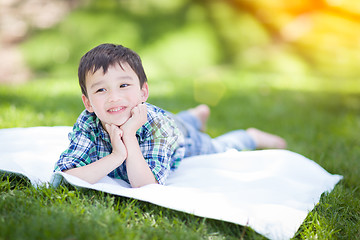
x=144, y=92
x=87, y=104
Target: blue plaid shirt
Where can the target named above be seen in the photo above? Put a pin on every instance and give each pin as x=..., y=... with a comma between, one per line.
x=160, y=140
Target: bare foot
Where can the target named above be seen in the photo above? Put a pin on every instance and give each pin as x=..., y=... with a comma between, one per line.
x=266, y=140
x=201, y=112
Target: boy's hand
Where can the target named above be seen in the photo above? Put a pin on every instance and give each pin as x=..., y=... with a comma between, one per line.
x=116, y=141
x=137, y=119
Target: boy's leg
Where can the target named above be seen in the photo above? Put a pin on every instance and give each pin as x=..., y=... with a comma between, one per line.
x=197, y=117
x=238, y=139
x=250, y=139
x=198, y=143
x=266, y=140
x=191, y=122
x=201, y=112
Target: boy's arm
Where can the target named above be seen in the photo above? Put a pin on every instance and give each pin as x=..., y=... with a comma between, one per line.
x=138, y=170
x=93, y=172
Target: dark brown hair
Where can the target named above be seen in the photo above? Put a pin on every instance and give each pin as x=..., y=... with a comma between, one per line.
x=106, y=55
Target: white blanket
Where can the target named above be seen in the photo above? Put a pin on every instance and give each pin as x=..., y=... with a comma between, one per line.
x=270, y=191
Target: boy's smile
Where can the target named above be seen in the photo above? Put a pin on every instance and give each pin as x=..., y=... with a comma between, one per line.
x=112, y=96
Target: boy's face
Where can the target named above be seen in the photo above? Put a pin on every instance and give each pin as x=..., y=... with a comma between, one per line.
x=112, y=95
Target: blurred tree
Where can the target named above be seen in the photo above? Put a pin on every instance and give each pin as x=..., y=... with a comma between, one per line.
x=324, y=33
x=292, y=37
x=18, y=19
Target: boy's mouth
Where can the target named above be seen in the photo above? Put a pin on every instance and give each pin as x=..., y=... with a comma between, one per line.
x=116, y=109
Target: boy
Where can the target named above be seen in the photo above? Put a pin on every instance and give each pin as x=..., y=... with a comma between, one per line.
x=120, y=135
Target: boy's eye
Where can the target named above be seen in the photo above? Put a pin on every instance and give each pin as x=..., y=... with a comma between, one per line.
x=124, y=85
x=101, y=90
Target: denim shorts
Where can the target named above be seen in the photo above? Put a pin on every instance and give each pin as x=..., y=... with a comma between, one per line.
x=199, y=143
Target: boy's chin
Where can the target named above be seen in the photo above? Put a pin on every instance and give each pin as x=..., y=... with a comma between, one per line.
x=118, y=124
x=118, y=121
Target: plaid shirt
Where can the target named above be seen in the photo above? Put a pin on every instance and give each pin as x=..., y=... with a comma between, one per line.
x=160, y=141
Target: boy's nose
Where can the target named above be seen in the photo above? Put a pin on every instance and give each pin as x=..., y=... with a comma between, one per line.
x=114, y=96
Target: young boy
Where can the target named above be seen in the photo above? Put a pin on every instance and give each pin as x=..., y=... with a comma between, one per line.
x=120, y=135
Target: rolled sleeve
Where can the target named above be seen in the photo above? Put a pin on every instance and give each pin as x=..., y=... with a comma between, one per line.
x=81, y=152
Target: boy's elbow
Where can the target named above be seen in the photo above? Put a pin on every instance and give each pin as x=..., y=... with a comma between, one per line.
x=91, y=181
x=79, y=174
x=139, y=185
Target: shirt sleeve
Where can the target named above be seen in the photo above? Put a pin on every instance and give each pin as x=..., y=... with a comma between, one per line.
x=81, y=152
x=159, y=148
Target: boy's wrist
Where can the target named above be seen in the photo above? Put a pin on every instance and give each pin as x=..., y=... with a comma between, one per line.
x=118, y=157
x=129, y=136
x=128, y=131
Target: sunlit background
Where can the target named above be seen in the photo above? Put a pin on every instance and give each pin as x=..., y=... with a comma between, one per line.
x=288, y=67
x=299, y=44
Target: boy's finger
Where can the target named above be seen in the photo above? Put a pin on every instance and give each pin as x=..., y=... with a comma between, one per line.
x=107, y=128
x=121, y=132
x=135, y=110
x=113, y=130
x=143, y=108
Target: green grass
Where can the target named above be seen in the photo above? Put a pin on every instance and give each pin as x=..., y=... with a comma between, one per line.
x=68, y=213
x=319, y=117
x=319, y=125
